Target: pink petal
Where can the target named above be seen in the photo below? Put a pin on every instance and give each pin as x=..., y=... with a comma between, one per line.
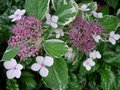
x=18, y=74
x=39, y=59
x=57, y=35
x=92, y=63
x=11, y=16
x=88, y=67
x=48, y=61
x=19, y=66
x=22, y=12
x=54, y=25
x=48, y=16
x=10, y=64
x=113, y=41
x=36, y=67
x=44, y=72
x=54, y=19
x=112, y=33
x=116, y=36
x=11, y=74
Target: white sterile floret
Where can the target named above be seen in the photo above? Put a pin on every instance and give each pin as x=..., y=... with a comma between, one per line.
x=84, y=8
x=14, y=69
x=52, y=20
x=70, y=54
x=97, y=15
x=17, y=15
x=88, y=63
x=97, y=38
x=59, y=32
x=41, y=63
x=113, y=37
x=95, y=54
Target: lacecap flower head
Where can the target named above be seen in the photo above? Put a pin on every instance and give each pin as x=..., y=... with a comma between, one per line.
x=27, y=35
x=82, y=34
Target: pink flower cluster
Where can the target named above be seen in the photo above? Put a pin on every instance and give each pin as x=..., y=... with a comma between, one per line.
x=82, y=34
x=27, y=35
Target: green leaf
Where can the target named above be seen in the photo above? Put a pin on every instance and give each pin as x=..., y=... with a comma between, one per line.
x=10, y=53
x=105, y=11
x=112, y=58
x=109, y=22
x=12, y=85
x=92, y=6
x=74, y=86
x=107, y=79
x=66, y=14
x=57, y=78
x=28, y=80
x=112, y=3
x=55, y=47
x=58, y=3
x=37, y=8
x=117, y=81
x=72, y=2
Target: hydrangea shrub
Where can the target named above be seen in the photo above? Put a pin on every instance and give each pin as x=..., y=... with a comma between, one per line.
x=58, y=34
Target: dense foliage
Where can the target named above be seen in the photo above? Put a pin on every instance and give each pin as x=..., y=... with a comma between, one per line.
x=64, y=37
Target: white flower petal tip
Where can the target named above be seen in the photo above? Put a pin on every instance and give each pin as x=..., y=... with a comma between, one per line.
x=113, y=37
x=48, y=61
x=14, y=69
x=59, y=33
x=84, y=8
x=44, y=72
x=52, y=20
x=95, y=54
x=17, y=15
x=97, y=15
x=70, y=54
x=97, y=38
x=41, y=64
x=88, y=64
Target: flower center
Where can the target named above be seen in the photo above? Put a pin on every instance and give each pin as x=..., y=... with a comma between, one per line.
x=42, y=65
x=17, y=15
x=14, y=68
x=87, y=63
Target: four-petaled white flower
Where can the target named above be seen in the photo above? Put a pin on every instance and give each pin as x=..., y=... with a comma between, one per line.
x=70, y=54
x=95, y=54
x=113, y=37
x=52, y=20
x=17, y=15
x=59, y=32
x=88, y=63
x=97, y=38
x=41, y=63
x=97, y=15
x=84, y=8
x=14, y=69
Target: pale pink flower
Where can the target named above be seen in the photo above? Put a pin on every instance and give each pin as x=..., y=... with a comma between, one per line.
x=14, y=69
x=95, y=54
x=88, y=64
x=70, y=54
x=59, y=33
x=84, y=7
x=97, y=38
x=41, y=63
x=113, y=37
x=97, y=15
x=52, y=20
x=17, y=15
